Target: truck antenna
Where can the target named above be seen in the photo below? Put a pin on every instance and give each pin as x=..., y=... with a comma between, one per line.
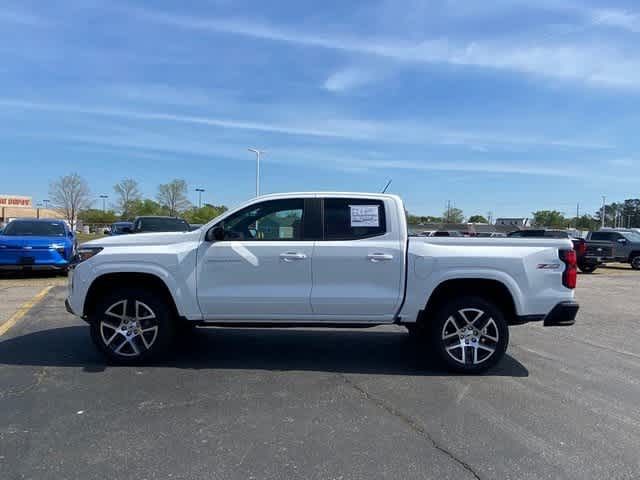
x=387, y=185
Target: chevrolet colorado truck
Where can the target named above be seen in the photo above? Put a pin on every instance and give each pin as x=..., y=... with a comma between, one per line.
x=321, y=259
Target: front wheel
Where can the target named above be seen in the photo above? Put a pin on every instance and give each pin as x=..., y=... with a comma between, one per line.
x=131, y=325
x=635, y=262
x=469, y=334
x=587, y=267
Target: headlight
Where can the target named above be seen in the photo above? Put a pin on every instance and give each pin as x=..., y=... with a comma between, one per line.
x=58, y=247
x=85, y=253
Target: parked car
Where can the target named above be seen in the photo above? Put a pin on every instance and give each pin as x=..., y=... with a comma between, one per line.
x=490, y=235
x=253, y=266
x=36, y=244
x=446, y=233
x=195, y=226
x=159, y=224
x=590, y=254
x=625, y=245
x=121, y=228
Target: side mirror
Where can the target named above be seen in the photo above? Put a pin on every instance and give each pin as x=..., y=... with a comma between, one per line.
x=215, y=234
x=622, y=240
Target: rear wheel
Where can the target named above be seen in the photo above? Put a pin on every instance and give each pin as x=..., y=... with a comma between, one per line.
x=469, y=334
x=131, y=325
x=635, y=262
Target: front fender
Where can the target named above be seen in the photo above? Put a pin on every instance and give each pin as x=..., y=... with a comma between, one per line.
x=181, y=286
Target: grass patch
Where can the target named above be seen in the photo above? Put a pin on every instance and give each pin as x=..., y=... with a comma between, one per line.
x=85, y=237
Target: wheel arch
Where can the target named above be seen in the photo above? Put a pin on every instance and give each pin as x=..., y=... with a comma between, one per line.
x=108, y=281
x=492, y=290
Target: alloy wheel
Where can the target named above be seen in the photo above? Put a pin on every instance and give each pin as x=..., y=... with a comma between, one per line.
x=470, y=336
x=129, y=328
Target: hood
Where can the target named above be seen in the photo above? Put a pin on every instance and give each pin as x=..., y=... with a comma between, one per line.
x=32, y=241
x=155, y=238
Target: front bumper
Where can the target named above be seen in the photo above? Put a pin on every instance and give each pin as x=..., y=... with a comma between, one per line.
x=34, y=267
x=67, y=306
x=563, y=314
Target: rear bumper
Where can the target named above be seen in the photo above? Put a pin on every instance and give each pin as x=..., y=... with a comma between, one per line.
x=563, y=314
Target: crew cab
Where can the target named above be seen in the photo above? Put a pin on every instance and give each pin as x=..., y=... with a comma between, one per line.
x=321, y=259
x=623, y=243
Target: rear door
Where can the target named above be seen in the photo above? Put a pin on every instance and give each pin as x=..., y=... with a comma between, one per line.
x=358, y=264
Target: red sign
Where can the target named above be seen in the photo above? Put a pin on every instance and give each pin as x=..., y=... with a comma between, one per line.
x=14, y=201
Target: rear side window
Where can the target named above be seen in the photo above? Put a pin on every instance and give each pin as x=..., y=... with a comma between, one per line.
x=353, y=218
x=608, y=236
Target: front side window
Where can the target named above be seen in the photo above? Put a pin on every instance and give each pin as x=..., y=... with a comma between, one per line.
x=272, y=220
x=353, y=218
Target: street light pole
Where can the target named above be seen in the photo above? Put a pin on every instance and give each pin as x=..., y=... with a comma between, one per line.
x=46, y=203
x=602, y=212
x=104, y=204
x=258, y=155
x=199, y=190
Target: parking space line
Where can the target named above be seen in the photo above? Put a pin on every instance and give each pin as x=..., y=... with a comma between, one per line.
x=23, y=310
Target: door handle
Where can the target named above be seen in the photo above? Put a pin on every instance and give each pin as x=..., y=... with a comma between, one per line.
x=292, y=256
x=379, y=257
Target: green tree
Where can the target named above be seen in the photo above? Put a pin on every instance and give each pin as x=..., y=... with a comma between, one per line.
x=453, y=215
x=477, y=219
x=585, y=222
x=204, y=214
x=549, y=218
x=173, y=196
x=145, y=207
x=94, y=215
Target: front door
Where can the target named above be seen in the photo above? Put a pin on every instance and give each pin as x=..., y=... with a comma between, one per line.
x=262, y=268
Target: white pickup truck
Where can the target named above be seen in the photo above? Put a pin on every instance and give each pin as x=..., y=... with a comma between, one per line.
x=321, y=259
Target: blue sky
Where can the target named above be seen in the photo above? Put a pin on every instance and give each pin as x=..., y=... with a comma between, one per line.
x=506, y=106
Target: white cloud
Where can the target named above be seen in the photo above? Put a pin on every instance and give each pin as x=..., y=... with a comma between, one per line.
x=591, y=65
x=348, y=79
x=22, y=18
x=342, y=128
x=615, y=18
x=622, y=162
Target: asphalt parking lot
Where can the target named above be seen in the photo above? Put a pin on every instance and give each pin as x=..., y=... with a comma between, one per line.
x=325, y=404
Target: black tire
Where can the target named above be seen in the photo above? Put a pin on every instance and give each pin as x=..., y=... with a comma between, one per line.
x=118, y=339
x=587, y=267
x=469, y=342
x=635, y=262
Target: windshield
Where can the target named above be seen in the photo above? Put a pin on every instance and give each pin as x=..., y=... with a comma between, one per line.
x=162, y=225
x=40, y=229
x=632, y=236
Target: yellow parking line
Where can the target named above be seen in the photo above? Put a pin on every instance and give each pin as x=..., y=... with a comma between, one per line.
x=23, y=310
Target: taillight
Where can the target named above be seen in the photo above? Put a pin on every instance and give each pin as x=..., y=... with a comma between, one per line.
x=570, y=274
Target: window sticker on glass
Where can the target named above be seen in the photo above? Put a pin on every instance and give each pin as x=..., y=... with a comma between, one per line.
x=364, y=216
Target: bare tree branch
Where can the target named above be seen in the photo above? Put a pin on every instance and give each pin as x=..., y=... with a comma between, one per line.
x=127, y=193
x=173, y=196
x=70, y=194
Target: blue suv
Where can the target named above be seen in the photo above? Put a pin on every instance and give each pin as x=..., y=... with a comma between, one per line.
x=36, y=244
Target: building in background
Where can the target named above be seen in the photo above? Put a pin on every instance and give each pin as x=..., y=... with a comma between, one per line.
x=514, y=222
x=19, y=206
